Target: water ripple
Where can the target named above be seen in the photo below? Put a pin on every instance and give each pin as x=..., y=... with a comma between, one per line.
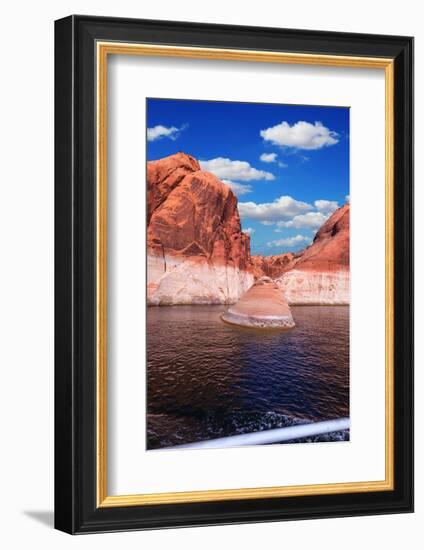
x=207, y=379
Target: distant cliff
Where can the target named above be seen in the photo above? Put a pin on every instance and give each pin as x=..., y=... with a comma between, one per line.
x=197, y=253
x=320, y=273
x=271, y=266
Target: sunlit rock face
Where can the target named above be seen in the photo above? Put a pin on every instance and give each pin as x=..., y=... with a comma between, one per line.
x=320, y=275
x=196, y=251
x=262, y=306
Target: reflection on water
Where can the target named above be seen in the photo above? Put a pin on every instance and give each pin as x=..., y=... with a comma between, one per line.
x=207, y=379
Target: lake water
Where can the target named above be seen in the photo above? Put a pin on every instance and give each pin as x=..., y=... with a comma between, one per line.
x=208, y=379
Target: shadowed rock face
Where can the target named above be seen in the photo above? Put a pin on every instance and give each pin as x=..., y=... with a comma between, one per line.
x=271, y=266
x=197, y=252
x=262, y=306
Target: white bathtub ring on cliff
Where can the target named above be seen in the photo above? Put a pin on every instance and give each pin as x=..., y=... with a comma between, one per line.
x=277, y=435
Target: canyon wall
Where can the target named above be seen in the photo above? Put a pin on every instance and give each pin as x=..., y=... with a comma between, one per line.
x=198, y=254
x=315, y=287
x=196, y=251
x=271, y=266
x=320, y=273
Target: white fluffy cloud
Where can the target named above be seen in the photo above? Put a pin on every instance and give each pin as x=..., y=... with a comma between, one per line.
x=301, y=135
x=234, y=169
x=249, y=230
x=326, y=207
x=310, y=220
x=268, y=157
x=283, y=208
x=238, y=188
x=347, y=198
x=290, y=241
x=159, y=131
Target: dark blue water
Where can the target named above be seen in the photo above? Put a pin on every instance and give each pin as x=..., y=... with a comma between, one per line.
x=208, y=379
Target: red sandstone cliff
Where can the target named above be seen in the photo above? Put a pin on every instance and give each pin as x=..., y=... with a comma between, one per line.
x=197, y=252
x=320, y=273
x=271, y=266
x=330, y=248
x=328, y=252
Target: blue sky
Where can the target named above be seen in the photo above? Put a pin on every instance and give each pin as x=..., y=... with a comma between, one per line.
x=287, y=164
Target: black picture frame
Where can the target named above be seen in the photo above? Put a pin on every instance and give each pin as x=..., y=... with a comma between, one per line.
x=76, y=510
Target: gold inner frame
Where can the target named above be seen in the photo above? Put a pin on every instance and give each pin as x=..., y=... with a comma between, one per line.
x=103, y=50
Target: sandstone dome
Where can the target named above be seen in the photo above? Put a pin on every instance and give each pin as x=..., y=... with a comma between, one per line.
x=262, y=306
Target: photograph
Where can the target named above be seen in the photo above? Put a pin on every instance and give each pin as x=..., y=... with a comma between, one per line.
x=247, y=254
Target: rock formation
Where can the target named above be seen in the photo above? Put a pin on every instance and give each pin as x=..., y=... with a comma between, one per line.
x=320, y=273
x=196, y=251
x=262, y=306
x=271, y=266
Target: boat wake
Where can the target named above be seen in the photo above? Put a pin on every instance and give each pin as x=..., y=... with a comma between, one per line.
x=168, y=430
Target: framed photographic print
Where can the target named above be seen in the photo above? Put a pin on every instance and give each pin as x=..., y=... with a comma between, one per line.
x=234, y=270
